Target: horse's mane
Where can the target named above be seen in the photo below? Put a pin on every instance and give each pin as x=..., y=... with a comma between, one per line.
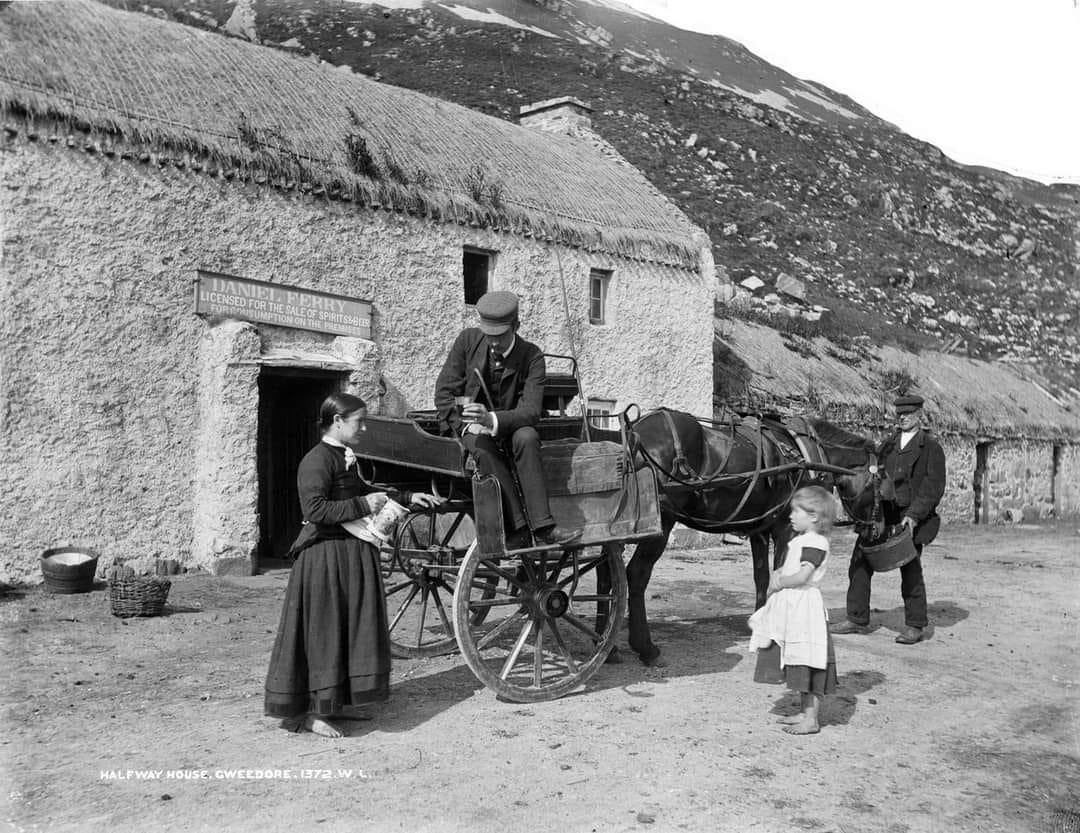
x=833, y=436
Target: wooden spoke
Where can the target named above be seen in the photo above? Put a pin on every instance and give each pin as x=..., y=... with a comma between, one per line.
x=401, y=608
x=562, y=648
x=499, y=629
x=541, y=593
x=423, y=565
x=538, y=655
x=582, y=626
x=523, y=637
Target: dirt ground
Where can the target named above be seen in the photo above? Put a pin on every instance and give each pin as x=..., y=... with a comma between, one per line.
x=156, y=724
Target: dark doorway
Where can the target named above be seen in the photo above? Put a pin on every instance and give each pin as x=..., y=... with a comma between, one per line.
x=289, y=400
x=980, y=483
x=1055, y=479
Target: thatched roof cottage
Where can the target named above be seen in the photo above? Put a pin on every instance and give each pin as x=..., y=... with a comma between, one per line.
x=1012, y=446
x=202, y=236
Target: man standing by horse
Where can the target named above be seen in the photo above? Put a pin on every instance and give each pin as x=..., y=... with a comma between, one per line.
x=914, y=465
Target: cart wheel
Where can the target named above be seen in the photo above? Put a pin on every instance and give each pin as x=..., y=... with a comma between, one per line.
x=419, y=574
x=549, y=626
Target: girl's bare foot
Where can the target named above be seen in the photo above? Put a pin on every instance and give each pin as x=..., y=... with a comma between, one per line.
x=791, y=719
x=803, y=727
x=318, y=726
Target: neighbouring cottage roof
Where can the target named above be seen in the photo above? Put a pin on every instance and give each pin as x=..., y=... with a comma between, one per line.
x=756, y=371
x=239, y=108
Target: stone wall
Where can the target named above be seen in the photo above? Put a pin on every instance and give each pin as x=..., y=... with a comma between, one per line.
x=1067, y=482
x=1019, y=481
x=128, y=422
x=957, y=505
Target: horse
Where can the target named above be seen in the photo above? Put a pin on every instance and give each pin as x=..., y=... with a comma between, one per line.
x=735, y=478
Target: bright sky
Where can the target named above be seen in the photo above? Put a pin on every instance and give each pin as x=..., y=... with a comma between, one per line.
x=990, y=82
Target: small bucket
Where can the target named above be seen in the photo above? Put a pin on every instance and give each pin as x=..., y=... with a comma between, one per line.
x=380, y=526
x=69, y=569
x=892, y=553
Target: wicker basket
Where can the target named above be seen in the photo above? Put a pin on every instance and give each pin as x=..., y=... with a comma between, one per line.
x=138, y=595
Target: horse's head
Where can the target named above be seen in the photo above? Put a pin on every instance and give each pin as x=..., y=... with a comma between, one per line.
x=862, y=490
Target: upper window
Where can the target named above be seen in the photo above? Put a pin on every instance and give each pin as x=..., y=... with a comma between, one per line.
x=598, y=292
x=476, y=268
x=601, y=414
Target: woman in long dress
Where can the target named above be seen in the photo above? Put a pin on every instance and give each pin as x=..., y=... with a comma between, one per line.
x=332, y=650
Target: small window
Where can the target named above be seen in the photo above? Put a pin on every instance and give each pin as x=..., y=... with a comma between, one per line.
x=598, y=289
x=476, y=267
x=601, y=414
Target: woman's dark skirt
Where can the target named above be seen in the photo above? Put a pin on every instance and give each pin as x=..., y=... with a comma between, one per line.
x=332, y=648
x=801, y=678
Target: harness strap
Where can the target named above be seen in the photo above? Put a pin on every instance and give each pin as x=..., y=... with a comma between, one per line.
x=679, y=466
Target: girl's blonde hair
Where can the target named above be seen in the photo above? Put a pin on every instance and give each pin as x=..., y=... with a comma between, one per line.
x=819, y=503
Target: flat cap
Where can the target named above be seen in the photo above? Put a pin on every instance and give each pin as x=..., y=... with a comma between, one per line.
x=907, y=403
x=498, y=312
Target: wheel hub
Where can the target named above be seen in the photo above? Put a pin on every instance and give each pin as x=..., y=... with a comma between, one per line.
x=553, y=601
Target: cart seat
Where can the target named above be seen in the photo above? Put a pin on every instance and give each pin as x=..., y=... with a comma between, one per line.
x=561, y=383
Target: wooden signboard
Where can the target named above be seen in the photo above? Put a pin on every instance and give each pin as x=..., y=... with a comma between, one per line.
x=286, y=306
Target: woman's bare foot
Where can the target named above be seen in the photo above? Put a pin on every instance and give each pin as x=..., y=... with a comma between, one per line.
x=803, y=727
x=316, y=725
x=791, y=719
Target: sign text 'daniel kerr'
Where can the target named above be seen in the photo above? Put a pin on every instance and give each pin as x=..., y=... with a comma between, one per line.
x=287, y=306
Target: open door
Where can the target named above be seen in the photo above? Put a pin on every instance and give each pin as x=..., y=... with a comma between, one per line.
x=289, y=400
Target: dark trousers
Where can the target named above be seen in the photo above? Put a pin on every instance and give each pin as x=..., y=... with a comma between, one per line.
x=912, y=589
x=491, y=458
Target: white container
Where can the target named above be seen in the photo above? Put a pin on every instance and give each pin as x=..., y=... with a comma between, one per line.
x=376, y=529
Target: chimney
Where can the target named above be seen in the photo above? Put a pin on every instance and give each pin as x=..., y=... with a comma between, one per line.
x=557, y=115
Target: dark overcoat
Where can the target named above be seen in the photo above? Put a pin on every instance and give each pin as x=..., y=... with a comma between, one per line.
x=519, y=400
x=917, y=472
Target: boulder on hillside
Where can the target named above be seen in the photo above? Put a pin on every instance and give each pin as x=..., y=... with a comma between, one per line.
x=791, y=286
x=241, y=22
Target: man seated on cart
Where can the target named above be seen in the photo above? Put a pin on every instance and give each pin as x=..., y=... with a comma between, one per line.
x=501, y=375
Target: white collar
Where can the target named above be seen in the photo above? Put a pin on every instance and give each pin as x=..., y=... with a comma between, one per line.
x=509, y=349
x=331, y=441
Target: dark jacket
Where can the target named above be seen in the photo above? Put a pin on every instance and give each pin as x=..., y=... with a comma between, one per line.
x=519, y=401
x=330, y=494
x=917, y=473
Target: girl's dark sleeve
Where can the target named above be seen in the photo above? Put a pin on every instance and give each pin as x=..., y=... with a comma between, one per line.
x=314, y=480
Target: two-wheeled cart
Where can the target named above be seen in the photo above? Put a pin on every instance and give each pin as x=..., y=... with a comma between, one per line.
x=535, y=622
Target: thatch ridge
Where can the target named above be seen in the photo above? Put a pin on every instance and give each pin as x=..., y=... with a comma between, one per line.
x=963, y=396
x=258, y=111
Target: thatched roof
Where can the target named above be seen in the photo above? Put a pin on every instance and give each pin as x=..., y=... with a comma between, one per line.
x=244, y=109
x=757, y=371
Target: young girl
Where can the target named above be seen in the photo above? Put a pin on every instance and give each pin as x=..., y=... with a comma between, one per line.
x=791, y=631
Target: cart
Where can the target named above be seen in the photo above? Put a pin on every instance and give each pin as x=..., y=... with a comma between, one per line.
x=532, y=624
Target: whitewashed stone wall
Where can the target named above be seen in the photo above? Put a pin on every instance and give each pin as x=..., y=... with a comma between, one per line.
x=957, y=505
x=129, y=423
x=1019, y=485
x=1067, y=482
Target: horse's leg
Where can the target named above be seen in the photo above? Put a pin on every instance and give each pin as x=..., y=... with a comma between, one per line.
x=603, y=587
x=759, y=551
x=638, y=573
x=778, y=535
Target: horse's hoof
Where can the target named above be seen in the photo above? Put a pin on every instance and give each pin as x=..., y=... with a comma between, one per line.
x=615, y=657
x=655, y=661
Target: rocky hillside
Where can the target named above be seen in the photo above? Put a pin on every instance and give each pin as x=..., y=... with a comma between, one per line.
x=828, y=220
